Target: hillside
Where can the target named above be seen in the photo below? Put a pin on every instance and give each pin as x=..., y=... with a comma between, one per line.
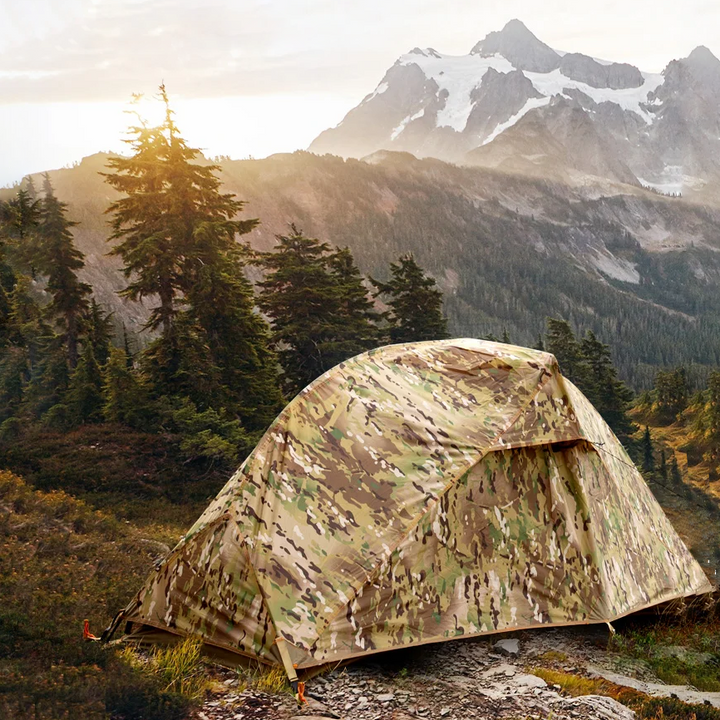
x=639, y=269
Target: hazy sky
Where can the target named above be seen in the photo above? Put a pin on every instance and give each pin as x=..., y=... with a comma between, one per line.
x=253, y=77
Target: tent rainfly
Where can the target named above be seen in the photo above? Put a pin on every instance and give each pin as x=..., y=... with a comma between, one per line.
x=414, y=494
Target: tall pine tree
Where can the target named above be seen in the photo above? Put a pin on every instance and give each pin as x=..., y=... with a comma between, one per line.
x=176, y=233
x=415, y=303
x=59, y=261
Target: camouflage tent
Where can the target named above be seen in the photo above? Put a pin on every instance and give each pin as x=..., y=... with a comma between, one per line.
x=414, y=494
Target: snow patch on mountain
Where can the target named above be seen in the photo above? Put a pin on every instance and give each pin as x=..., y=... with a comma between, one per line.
x=531, y=104
x=405, y=122
x=457, y=77
x=631, y=99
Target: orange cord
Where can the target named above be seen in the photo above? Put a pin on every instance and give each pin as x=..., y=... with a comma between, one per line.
x=301, y=693
x=87, y=635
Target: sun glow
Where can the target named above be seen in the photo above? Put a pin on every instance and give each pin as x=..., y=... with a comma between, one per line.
x=239, y=127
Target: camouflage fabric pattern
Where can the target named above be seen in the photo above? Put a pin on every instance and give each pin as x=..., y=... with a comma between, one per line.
x=418, y=493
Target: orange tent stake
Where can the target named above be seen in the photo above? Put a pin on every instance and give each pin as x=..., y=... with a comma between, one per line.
x=87, y=635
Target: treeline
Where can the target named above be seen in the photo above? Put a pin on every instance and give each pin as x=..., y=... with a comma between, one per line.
x=225, y=356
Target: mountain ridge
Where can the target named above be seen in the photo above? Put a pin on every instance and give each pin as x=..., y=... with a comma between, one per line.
x=664, y=128
x=639, y=269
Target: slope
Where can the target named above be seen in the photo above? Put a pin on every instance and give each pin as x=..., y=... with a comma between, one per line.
x=639, y=269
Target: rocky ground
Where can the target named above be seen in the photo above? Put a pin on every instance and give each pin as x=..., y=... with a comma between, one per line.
x=474, y=679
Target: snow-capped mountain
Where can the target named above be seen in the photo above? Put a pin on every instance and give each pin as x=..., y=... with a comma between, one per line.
x=516, y=104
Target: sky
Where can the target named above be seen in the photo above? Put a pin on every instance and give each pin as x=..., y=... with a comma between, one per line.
x=255, y=77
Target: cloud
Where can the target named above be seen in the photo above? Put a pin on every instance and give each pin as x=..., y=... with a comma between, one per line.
x=115, y=48
x=95, y=50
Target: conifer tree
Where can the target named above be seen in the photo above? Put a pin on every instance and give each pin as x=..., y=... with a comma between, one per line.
x=97, y=330
x=647, y=448
x=176, y=233
x=610, y=395
x=20, y=220
x=663, y=465
x=59, y=260
x=356, y=318
x=671, y=392
x=505, y=337
x=84, y=396
x=29, y=187
x=300, y=294
x=415, y=303
x=171, y=217
x=124, y=399
x=539, y=344
x=562, y=343
x=129, y=356
x=241, y=369
x=675, y=474
x=713, y=403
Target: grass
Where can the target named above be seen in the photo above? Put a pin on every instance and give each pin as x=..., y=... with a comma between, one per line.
x=60, y=562
x=177, y=668
x=268, y=679
x=695, y=635
x=134, y=476
x=644, y=705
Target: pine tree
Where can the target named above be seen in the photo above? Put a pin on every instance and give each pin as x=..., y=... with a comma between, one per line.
x=177, y=236
x=713, y=403
x=300, y=294
x=663, y=465
x=20, y=218
x=59, y=260
x=505, y=337
x=29, y=188
x=563, y=344
x=97, y=329
x=647, y=448
x=671, y=393
x=124, y=400
x=539, y=344
x=129, y=356
x=84, y=396
x=675, y=474
x=610, y=396
x=356, y=319
x=241, y=369
x=415, y=303
x=171, y=217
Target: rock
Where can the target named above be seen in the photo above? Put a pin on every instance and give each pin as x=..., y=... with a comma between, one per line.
x=444, y=712
x=509, y=646
x=230, y=682
x=529, y=681
x=602, y=708
x=315, y=707
x=385, y=697
x=503, y=669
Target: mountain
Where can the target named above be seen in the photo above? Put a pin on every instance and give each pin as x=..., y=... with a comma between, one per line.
x=516, y=104
x=639, y=269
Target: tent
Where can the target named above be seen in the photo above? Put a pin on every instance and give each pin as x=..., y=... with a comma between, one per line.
x=414, y=494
